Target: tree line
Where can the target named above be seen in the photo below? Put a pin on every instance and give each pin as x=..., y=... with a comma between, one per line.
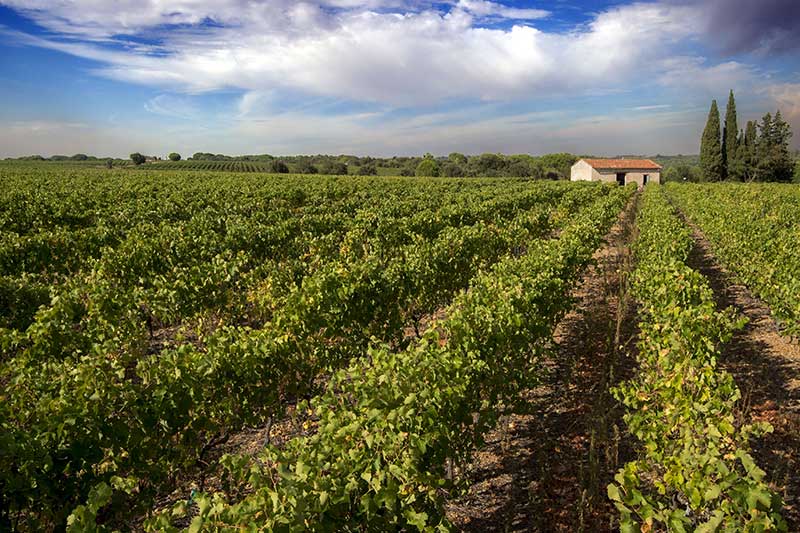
x=757, y=152
x=549, y=166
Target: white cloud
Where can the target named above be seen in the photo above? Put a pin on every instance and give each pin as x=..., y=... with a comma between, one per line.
x=172, y=106
x=650, y=107
x=385, y=54
x=694, y=73
x=356, y=133
x=483, y=8
x=400, y=53
x=786, y=97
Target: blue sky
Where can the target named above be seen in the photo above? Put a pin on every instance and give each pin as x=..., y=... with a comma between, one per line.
x=387, y=77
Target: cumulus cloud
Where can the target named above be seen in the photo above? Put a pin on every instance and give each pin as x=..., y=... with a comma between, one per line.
x=388, y=58
x=396, y=52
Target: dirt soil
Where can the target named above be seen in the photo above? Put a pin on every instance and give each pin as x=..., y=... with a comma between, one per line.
x=546, y=467
x=766, y=368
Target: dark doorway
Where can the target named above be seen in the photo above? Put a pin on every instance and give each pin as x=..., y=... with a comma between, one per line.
x=645, y=179
x=620, y=178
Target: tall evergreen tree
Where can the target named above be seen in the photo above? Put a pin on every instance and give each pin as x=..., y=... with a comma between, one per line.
x=782, y=163
x=748, y=151
x=738, y=165
x=764, y=146
x=711, y=162
x=729, y=140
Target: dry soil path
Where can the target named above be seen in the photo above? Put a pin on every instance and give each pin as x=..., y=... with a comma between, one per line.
x=766, y=367
x=546, y=469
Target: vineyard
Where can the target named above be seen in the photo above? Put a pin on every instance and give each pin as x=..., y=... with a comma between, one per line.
x=754, y=231
x=374, y=333
x=217, y=166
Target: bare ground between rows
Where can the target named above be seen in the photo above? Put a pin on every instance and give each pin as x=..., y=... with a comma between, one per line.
x=546, y=469
x=766, y=368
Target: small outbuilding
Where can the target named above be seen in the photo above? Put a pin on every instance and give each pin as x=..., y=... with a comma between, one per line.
x=621, y=171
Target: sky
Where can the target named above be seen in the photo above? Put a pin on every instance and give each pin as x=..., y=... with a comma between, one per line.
x=387, y=77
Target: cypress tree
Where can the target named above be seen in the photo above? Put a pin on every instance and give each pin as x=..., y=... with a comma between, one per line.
x=782, y=163
x=729, y=141
x=711, y=162
x=738, y=169
x=750, y=157
x=764, y=147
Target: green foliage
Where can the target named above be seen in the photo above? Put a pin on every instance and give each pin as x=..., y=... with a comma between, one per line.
x=279, y=167
x=137, y=158
x=277, y=281
x=206, y=156
x=712, y=164
x=427, y=168
x=488, y=164
x=748, y=153
x=774, y=159
x=457, y=159
x=368, y=169
x=667, y=161
x=560, y=162
x=759, y=153
x=730, y=141
x=549, y=166
x=452, y=170
x=694, y=471
x=390, y=421
x=796, y=178
x=306, y=167
x=335, y=168
x=83, y=518
x=737, y=166
x=174, y=156
x=752, y=235
x=681, y=174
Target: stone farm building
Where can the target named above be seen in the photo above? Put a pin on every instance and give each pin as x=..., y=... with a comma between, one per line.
x=622, y=171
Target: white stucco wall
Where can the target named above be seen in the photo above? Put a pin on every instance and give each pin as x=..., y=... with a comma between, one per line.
x=583, y=171
x=636, y=176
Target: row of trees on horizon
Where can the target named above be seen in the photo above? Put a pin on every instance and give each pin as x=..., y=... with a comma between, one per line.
x=548, y=166
x=758, y=152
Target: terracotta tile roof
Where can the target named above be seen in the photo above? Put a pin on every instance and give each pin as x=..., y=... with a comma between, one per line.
x=623, y=164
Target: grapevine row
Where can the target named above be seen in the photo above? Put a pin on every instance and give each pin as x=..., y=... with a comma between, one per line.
x=753, y=230
x=390, y=421
x=694, y=472
x=173, y=271
x=155, y=417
